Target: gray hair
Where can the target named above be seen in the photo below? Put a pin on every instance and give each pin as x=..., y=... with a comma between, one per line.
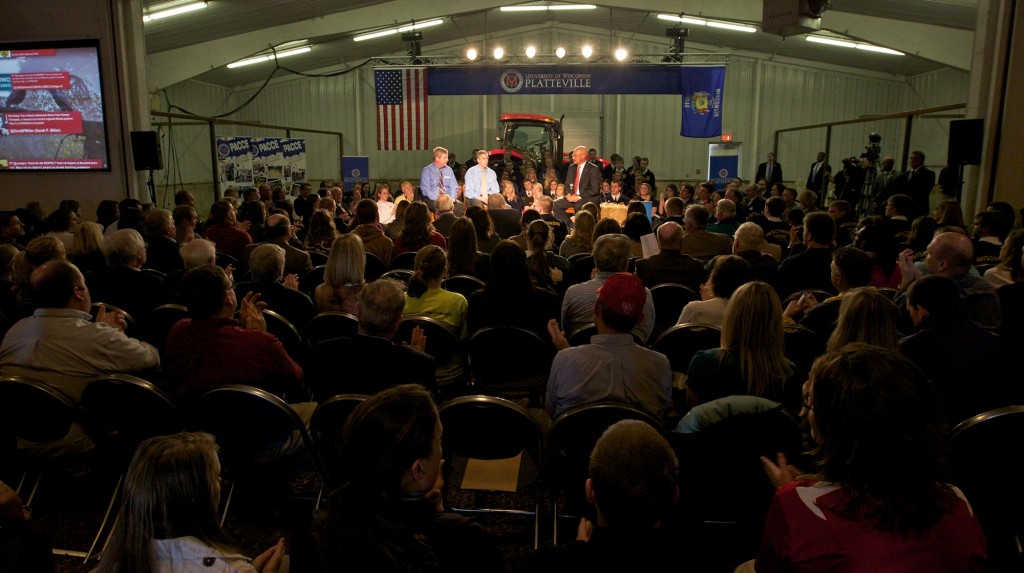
x=266, y=263
x=123, y=248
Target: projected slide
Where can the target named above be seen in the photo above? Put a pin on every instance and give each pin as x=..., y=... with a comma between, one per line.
x=51, y=107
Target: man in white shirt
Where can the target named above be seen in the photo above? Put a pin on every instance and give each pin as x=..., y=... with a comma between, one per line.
x=480, y=181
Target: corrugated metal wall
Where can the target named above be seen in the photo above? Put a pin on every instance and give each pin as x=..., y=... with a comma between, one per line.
x=760, y=97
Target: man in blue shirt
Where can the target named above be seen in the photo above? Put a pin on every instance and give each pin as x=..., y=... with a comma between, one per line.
x=480, y=181
x=437, y=178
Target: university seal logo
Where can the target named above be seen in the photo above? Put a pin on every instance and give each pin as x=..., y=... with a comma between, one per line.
x=511, y=81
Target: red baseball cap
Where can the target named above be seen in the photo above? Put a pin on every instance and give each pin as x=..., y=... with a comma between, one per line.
x=624, y=293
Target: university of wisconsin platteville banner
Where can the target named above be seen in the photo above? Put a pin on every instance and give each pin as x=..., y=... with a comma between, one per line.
x=702, y=101
x=568, y=79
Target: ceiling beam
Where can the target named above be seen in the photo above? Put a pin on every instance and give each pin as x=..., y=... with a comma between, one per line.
x=172, y=66
x=948, y=46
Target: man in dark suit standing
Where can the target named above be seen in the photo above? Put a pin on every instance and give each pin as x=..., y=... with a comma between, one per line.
x=916, y=182
x=818, y=176
x=770, y=171
x=584, y=181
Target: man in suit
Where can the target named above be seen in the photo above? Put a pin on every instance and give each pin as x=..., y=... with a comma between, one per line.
x=584, y=179
x=278, y=230
x=507, y=221
x=670, y=265
x=770, y=171
x=697, y=241
x=916, y=182
x=817, y=177
x=615, y=195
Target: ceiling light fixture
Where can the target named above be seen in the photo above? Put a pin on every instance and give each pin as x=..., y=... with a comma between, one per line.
x=534, y=8
x=471, y=54
x=499, y=53
x=572, y=7
x=543, y=7
x=857, y=45
x=621, y=54
x=183, y=9
x=407, y=28
x=879, y=49
x=268, y=57
x=560, y=52
x=531, y=52
x=684, y=19
x=587, y=51
x=831, y=42
x=733, y=27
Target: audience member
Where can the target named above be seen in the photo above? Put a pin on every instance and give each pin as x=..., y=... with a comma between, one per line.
x=728, y=273
x=278, y=231
x=168, y=521
x=507, y=218
x=278, y=291
x=321, y=233
x=224, y=232
x=810, y=269
x=726, y=221
x=612, y=366
x=851, y=269
x=1009, y=270
x=343, y=276
x=425, y=297
x=698, y=242
x=879, y=243
x=670, y=265
x=417, y=231
x=509, y=298
x=121, y=283
x=879, y=501
x=89, y=247
x=581, y=240
x=463, y=256
x=161, y=247
x=486, y=238
x=866, y=316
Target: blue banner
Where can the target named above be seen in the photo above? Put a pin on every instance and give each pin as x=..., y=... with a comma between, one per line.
x=355, y=169
x=723, y=169
x=702, y=101
x=567, y=79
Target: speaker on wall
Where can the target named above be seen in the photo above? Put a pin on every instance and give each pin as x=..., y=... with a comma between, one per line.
x=965, y=139
x=146, y=151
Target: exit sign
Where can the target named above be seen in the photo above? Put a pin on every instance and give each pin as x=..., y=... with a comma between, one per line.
x=726, y=137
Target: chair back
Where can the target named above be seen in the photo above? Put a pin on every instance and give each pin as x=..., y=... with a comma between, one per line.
x=442, y=342
x=571, y=439
x=682, y=341
x=129, y=410
x=132, y=330
x=313, y=279
x=286, y=332
x=330, y=324
x=160, y=322
x=375, y=267
x=982, y=450
x=582, y=266
x=669, y=300
x=35, y=411
x=317, y=258
x=510, y=362
x=465, y=285
x=489, y=428
x=155, y=273
x=401, y=275
x=248, y=423
x=222, y=260
x=819, y=295
x=802, y=345
x=582, y=335
x=404, y=260
x=325, y=429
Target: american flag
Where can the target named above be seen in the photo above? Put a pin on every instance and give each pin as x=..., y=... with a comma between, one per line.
x=401, y=108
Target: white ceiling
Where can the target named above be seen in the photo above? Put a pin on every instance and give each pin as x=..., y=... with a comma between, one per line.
x=934, y=33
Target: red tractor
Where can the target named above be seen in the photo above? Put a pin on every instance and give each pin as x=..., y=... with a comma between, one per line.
x=527, y=135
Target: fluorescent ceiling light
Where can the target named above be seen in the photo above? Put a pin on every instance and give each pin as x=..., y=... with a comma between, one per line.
x=183, y=9
x=373, y=35
x=408, y=28
x=268, y=57
x=734, y=27
x=543, y=7
x=685, y=19
x=879, y=49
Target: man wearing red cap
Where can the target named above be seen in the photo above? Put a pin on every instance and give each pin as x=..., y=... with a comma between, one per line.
x=612, y=366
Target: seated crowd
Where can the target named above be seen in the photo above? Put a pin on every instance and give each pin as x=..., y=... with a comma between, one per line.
x=882, y=298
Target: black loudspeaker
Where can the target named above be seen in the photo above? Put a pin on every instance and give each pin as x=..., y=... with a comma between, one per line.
x=146, y=151
x=965, y=139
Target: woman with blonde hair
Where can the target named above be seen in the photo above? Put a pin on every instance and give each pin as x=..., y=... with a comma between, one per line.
x=949, y=213
x=169, y=518
x=1010, y=268
x=581, y=240
x=866, y=315
x=750, y=360
x=89, y=247
x=343, y=276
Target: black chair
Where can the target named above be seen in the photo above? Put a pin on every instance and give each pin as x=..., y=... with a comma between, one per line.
x=401, y=275
x=669, y=300
x=442, y=342
x=158, y=274
x=982, y=458
x=582, y=266
x=223, y=260
x=465, y=285
x=313, y=279
x=317, y=258
x=330, y=324
x=160, y=322
x=492, y=428
x=404, y=260
x=819, y=295
x=325, y=429
x=682, y=341
x=253, y=428
x=802, y=345
x=561, y=263
x=287, y=333
x=375, y=267
x=730, y=503
x=571, y=438
x=125, y=411
x=523, y=373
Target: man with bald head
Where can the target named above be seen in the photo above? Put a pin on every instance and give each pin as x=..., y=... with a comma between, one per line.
x=671, y=265
x=278, y=230
x=950, y=255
